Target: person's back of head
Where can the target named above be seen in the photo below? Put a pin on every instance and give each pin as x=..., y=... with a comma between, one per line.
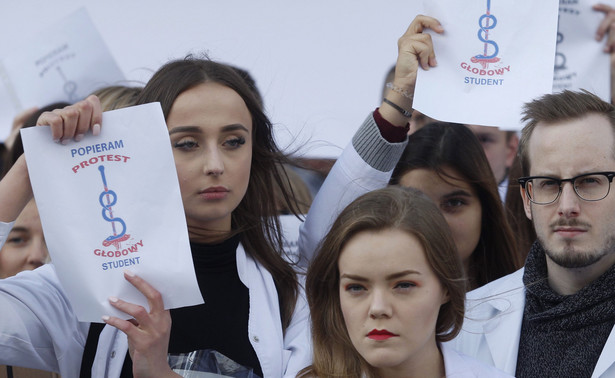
x=296, y=187
x=15, y=150
x=117, y=96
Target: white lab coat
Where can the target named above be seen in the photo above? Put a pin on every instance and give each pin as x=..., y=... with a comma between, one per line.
x=457, y=365
x=38, y=328
x=492, y=328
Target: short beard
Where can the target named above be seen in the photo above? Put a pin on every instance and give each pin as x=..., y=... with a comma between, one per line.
x=570, y=258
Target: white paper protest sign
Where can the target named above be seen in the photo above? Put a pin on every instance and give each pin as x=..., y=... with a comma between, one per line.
x=494, y=56
x=110, y=203
x=580, y=61
x=66, y=63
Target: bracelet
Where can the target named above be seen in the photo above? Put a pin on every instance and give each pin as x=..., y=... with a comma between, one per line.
x=403, y=111
x=399, y=90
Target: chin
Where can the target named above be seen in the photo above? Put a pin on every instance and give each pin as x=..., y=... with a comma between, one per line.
x=384, y=359
x=572, y=258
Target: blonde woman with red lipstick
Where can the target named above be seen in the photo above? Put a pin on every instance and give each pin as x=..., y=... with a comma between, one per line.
x=386, y=290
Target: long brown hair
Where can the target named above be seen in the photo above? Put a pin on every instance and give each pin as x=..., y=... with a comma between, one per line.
x=522, y=227
x=398, y=208
x=446, y=145
x=252, y=219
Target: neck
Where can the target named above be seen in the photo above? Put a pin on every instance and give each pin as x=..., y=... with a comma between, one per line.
x=429, y=363
x=470, y=274
x=209, y=232
x=568, y=281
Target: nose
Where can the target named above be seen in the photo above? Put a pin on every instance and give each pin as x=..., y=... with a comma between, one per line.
x=213, y=164
x=38, y=254
x=568, y=205
x=380, y=306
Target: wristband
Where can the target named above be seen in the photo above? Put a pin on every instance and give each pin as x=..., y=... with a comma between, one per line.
x=403, y=111
x=399, y=90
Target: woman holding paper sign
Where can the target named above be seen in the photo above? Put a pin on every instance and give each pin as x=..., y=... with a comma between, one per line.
x=462, y=185
x=255, y=318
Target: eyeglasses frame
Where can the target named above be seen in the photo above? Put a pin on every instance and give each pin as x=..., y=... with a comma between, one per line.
x=608, y=174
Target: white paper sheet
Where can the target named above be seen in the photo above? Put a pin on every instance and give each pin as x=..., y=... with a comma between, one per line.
x=579, y=59
x=494, y=56
x=64, y=63
x=111, y=203
x=290, y=231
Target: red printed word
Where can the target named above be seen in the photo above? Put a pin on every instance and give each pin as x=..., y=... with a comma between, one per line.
x=100, y=158
x=119, y=253
x=485, y=72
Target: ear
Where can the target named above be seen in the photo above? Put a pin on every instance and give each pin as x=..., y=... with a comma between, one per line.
x=526, y=203
x=512, y=145
x=445, y=297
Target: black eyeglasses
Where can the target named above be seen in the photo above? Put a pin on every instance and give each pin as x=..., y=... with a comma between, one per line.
x=543, y=190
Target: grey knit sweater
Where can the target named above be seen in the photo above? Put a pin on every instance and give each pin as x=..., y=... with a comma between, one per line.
x=563, y=335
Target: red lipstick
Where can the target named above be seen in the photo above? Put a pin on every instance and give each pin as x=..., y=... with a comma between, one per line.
x=214, y=193
x=380, y=334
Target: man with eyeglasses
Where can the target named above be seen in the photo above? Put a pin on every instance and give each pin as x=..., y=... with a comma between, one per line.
x=555, y=317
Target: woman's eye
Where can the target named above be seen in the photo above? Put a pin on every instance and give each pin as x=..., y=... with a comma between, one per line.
x=405, y=285
x=235, y=142
x=16, y=240
x=354, y=288
x=452, y=204
x=186, y=144
x=485, y=139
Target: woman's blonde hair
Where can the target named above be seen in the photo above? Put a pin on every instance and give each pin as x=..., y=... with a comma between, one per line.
x=117, y=96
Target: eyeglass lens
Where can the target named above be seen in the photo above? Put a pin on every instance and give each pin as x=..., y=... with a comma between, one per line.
x=592, y=187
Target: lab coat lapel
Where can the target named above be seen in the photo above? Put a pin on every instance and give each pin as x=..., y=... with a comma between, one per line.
x=607, y=358
x=502, y=333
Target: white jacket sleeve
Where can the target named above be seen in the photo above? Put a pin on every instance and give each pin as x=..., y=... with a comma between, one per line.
x=365, y=165
x=38, y=328
x=5, y=228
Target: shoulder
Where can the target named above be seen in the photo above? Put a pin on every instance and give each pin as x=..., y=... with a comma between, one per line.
x=503, y=296
x=38, y=321
x=458, y=365
x=501, y=286
x=497, y=304
x=38, y=290
x=36, y=282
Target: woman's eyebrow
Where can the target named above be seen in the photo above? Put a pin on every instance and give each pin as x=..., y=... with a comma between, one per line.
x=235, y=127
x=459, y=192
x=353, y=277
x=392, y=276
x=402, y=274
x=197, y=129
x=185, y=129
